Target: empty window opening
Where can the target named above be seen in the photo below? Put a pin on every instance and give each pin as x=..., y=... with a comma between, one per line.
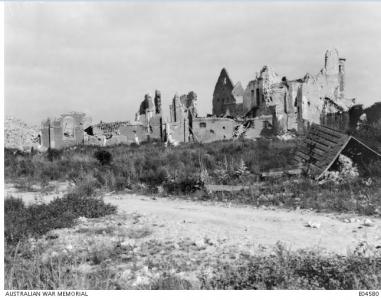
x=202, y=125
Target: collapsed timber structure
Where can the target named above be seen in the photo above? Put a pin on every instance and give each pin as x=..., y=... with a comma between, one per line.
x=322, y=146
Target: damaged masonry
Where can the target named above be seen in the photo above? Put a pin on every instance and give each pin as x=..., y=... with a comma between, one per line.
x=270, y=105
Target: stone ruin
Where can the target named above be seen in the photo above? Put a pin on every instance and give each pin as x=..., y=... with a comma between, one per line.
x=293, y=104
x=269, y=105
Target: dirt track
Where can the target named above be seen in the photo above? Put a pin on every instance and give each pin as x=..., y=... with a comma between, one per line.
x=244, y=226
x=241, y=225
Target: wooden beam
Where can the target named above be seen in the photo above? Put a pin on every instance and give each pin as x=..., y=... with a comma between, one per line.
x=328, y=130
x=317, y=144
x=325, y=138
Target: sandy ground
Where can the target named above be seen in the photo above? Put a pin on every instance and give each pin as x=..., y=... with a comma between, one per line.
x=249, y=227
x=58, y=190
x=242, y=225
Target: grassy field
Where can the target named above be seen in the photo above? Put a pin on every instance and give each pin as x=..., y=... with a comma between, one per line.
x=36, y=257
x=152, y=168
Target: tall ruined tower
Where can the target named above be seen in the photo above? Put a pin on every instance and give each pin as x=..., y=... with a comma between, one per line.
x=157, y=101
x=341, y=77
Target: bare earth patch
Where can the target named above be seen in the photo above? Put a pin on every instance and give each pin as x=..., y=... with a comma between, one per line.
x=154, y=237
x=248, y=227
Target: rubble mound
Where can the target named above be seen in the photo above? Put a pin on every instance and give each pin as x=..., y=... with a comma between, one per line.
x=19, y=135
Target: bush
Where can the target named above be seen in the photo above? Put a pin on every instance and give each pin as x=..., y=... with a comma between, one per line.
x=54, y=154
x=16, y=219
x=38, y=219
x=103, y=156
x=297, y=270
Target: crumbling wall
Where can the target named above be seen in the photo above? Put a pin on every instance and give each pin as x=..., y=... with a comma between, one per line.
x=63, y=132
x=260, y=126
x=323, y=94
x=208, y=130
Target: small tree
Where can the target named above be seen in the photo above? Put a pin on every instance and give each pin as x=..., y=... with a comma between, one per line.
x=103, y=156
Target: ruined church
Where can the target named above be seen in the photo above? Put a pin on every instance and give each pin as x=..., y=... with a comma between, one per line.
x=293, y=104
x=269, y=105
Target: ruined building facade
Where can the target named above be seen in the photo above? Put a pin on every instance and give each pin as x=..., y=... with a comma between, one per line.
x=65, y=131
x=270, y=105
x=227, y=97
x=293, y=104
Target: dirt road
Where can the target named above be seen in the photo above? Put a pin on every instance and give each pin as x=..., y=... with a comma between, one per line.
x=241, y=225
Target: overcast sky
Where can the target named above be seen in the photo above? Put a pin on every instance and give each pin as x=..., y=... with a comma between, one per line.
x=101, y=58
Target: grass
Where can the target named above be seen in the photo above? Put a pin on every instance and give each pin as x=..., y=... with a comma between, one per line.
x=177, y=169
x=29, y=267
x=360, y=196
x=298, y=270
x=30, y=262
x=22, y=221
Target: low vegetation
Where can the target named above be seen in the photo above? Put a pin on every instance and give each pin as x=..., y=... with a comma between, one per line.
x=21, y=222
x=299, y=270
x=151, y=164
x=362, y=196
x=113, y=256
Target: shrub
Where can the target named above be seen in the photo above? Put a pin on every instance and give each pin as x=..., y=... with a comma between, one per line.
x=297, y=270
x=54, y=154
x=103, y=156
x=15, y=219
x=38, y=219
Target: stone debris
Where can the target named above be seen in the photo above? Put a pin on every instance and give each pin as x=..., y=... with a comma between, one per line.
x=313, y=224
x=368, y=222
x=19, y=135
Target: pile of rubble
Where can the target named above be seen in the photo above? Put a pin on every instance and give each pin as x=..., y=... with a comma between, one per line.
x=18, y=135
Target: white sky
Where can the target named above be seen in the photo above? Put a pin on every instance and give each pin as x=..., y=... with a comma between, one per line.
x=101, y=58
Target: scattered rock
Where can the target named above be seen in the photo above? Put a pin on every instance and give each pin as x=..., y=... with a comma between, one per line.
x=126, y=275
x=52, y=236
x=141, y=280
x=200, y=244
x=313, y=224
x=84, y=268
x=128, y=243
x=368, y=223
x=82, y=219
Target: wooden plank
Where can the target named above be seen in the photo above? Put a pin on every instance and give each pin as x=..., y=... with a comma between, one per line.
x=312, y=153
x=329, y=139
x=307, y=149
x=327, y=130
x=315, y=170
x=225, y=188
x=316, y=143
x=320, y=161
x=321, y=139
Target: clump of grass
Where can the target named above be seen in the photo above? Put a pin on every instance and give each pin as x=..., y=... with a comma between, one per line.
x=297, y=270
x=103, y=156
x=360, y=196
x=28, y=267
x=177, y=169
x=168, y=282
x=22, y=221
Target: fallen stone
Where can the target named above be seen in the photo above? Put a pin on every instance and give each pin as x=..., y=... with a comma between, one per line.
x=313, y=224
x=368, y=223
